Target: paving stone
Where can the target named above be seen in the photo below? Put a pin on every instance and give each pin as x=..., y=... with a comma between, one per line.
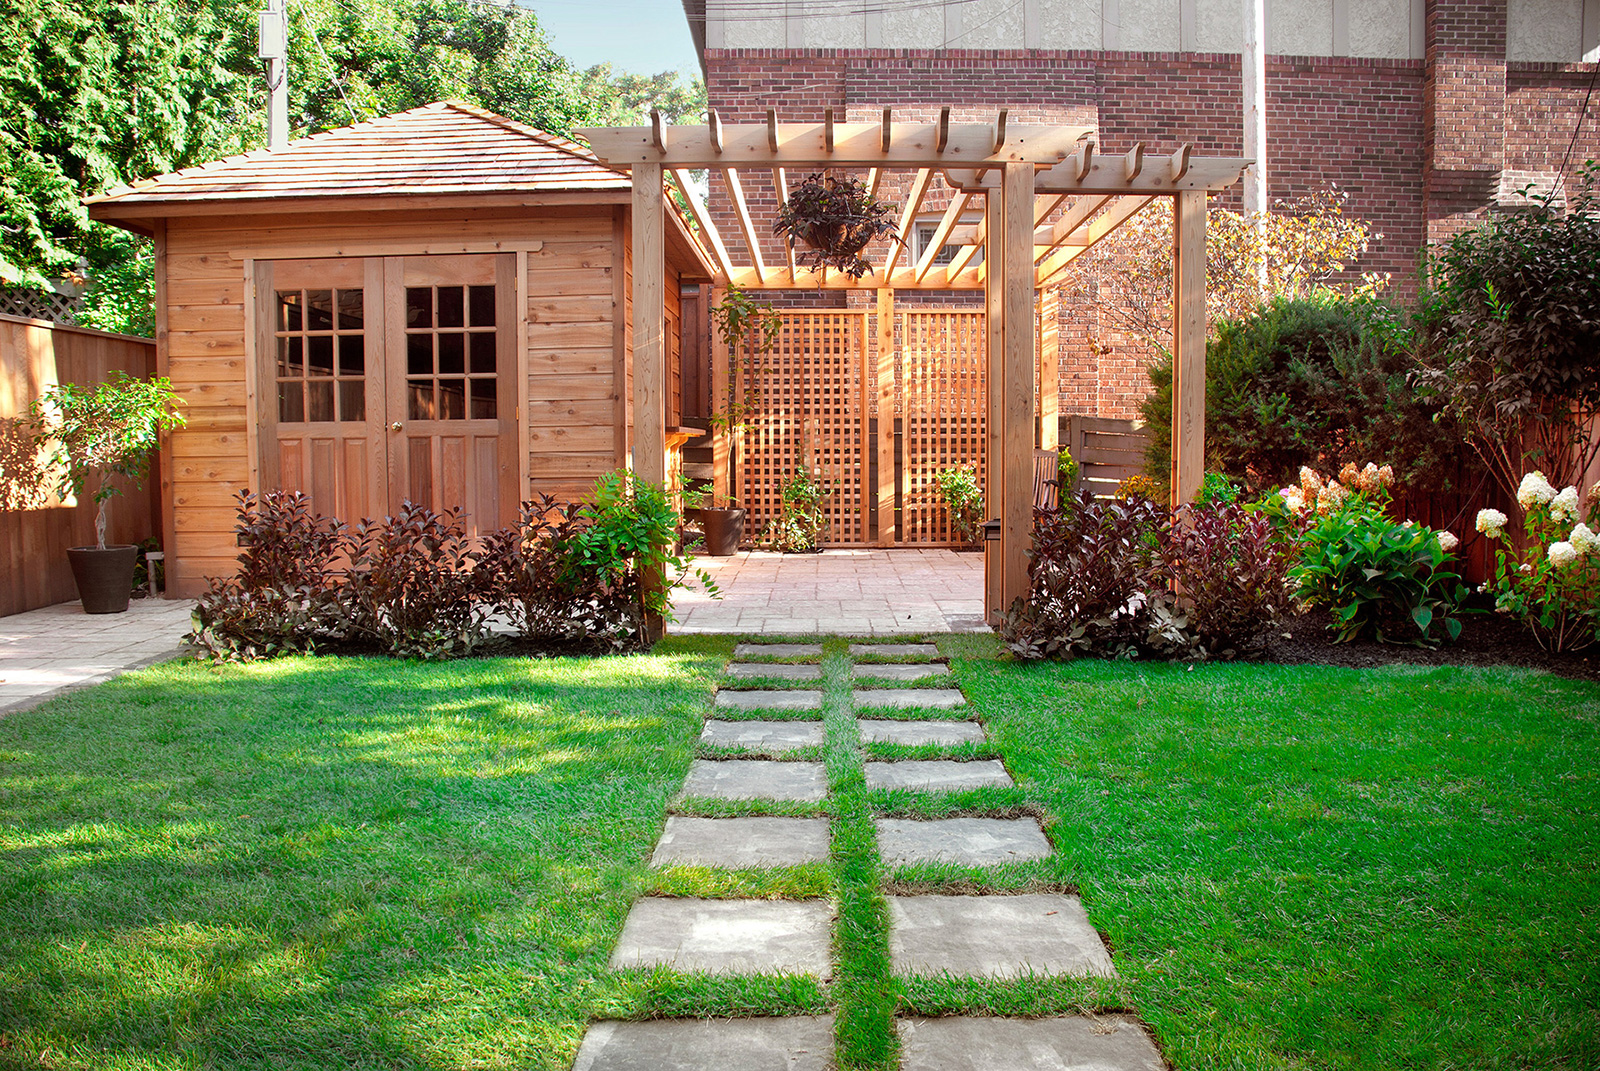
x=916, y=733
x=739, y=842
x=899, y=671
x=782, y=671
x=896, y=650
x=994, y=936
x=781, y=699
x=727, y=936
x=966, y=841
x=902, y=698
x=777, y=650
x=756, y=779
x=938, y=775
x=797, y=1043
x=774, y=735
x=1079, y=1042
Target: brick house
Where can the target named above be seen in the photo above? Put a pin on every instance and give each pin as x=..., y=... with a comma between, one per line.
x=1430, y=113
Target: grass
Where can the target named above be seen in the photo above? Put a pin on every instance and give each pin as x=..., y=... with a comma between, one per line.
x=344, y=862
x=1314, y=867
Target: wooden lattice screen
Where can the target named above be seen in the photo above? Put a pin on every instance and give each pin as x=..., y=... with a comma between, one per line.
x=810, y=408
x=943, y=406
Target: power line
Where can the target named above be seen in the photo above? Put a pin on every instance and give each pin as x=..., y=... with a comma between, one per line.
x=1582, y=114
x=333, y=72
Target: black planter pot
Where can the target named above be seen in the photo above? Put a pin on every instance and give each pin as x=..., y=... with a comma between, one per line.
x=724, y=529
x=105, y=577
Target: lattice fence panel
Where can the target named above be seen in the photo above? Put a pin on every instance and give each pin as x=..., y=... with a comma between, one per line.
x=40, y=304
x=943, y=405
x=810, y=409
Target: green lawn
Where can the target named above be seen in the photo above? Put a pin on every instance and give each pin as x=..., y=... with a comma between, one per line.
x=352, y=863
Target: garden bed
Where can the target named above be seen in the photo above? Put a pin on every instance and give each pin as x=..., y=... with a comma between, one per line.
x=1488, y=639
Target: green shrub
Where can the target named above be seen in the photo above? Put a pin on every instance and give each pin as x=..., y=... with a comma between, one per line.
x=1552, y=580
x=962, y=496
x=800, y=522
x=1309, y=381
x=1217, y=489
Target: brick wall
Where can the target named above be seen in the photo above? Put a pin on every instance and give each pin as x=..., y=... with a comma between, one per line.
x=1366, y=126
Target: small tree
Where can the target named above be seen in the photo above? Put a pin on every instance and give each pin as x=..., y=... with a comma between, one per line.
x=963, y=497
x=750, y=329
x=109, y=430
x=1512, y=329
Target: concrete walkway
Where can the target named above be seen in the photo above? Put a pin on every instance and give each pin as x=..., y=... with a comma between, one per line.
x=854, y=592
x=43, y=652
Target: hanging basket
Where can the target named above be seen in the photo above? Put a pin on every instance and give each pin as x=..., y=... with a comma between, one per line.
x=835, y=219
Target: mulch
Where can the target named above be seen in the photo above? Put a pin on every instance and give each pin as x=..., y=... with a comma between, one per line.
x=1487, y=639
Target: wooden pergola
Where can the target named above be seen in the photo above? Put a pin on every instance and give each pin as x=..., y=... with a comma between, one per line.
x=1047, y=197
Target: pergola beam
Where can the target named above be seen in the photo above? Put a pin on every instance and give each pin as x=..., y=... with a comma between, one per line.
x=1071, y=220
x=708, y=229
x=1108, y=174
x=746, y=226
x=780, y=186
x=908, y=215
x=941, y=144
x=903, y=278
x=947, y=222
x=1098, y=228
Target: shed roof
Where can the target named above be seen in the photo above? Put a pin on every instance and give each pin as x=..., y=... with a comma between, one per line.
x=438, y=149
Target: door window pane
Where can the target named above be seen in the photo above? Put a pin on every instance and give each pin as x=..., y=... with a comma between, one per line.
x=484, y=402
x=451, y=358
x=420, y=406
x=482, y=353
x=419, y=306
x=452, y=310
x=419, y=355
x=452, y=399
x=320, y=355
x=482, y=310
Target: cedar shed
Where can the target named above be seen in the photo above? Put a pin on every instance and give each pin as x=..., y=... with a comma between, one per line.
x=433, y=305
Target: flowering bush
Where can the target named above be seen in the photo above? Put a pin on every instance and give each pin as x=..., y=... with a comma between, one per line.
x=1552, y=582
x=1378, y=577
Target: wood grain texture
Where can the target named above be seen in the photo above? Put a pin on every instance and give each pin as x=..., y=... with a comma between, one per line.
x=1189, y=347
x=1017, y=436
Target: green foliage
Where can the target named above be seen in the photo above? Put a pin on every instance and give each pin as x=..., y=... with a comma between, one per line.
x=749, y=327
x=1512, y=329
x=1307, y=380
x=107, y=430
x=1067, y=469
x=100, y=92
x=1378, y=577
x=1217, y=489
x=1551, y=578
x=121, y=292
x=958, y=488
x=628, y=539
x=800, y=523
x=834, y=219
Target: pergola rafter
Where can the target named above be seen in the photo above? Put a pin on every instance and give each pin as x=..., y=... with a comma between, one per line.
x=1023, y=174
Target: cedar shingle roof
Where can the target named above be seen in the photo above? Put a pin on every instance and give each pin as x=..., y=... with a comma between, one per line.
x=443, y=148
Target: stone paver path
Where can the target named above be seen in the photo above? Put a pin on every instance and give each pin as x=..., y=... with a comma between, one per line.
x=850, y=592
x=60, y=647
x=773, y=671
x=994, y=936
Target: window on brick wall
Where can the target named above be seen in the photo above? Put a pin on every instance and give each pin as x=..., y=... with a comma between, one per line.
x=922, y=233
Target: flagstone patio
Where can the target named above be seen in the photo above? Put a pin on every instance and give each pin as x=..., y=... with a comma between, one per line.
x=851, y=592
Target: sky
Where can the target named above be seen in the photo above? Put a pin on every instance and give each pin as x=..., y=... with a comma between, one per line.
x=640, y=36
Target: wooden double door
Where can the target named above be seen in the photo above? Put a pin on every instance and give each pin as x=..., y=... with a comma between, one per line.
x=385, y=379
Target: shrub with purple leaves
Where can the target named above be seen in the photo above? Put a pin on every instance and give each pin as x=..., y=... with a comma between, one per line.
x=1232, y=571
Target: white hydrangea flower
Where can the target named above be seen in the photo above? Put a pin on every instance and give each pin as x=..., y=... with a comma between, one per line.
x=1564, y=507
x=1492, y=523
x=1448, y=541
x=1584, y=539
x=1562, y=554
x=1535, y=489
x=1294, y=499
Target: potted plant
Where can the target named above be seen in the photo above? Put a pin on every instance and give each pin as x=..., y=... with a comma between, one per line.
x=105, y=432
x=742, y=321
x=836, y=219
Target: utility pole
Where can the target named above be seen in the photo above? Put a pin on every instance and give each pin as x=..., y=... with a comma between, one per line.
x=272, y=45
x=1254, y=71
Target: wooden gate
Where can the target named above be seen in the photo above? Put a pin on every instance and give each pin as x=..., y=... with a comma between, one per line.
x=811, y=403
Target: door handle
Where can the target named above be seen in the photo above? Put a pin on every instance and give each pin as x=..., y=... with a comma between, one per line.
x=396, y=426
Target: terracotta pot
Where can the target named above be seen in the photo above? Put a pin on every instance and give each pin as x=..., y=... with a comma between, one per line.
x=724, y=529
x=105, y=577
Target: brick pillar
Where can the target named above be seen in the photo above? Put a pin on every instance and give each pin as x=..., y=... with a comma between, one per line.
x=1464, y=112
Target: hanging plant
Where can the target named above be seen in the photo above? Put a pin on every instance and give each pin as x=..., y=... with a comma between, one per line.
x=836, y=219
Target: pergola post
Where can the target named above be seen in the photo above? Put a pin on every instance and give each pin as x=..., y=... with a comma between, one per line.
x=1016, y=281
x=722, y=385
x=994, y=350
x=1188, y=345
x=885, y=445
x=649, y=337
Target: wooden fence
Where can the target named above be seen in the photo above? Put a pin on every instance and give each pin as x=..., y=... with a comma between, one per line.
x=35, y=355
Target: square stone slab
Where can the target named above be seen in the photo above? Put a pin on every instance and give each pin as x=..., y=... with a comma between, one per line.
x=994, y=936
x=783, y=671
x=727, y=936
x=737, y=842
x=899, y=671
x=937, y=775
x=901, y=698
x=916, y=733
x=786, y=699
x=895, y=650
x=958, y=1043
x=777, y=650
x=965, y=841
x=777, y=735
x=756, y=779
x=798, y=1043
